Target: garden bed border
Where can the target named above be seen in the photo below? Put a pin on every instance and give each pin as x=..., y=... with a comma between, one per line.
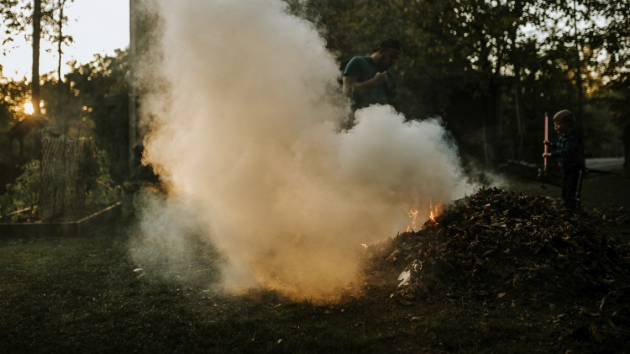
x=70, y=228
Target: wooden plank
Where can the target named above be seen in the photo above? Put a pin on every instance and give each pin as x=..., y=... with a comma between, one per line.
x=77, y=228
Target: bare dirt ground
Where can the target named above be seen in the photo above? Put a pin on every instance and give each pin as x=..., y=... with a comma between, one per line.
x=86, y=294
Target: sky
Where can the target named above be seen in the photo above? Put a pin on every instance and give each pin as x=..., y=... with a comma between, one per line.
x=97, y=26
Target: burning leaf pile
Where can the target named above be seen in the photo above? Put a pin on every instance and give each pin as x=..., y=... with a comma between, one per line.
x=497, y=242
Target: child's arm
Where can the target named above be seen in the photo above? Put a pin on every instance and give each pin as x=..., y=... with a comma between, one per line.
x=551, y=145
x=571, y=148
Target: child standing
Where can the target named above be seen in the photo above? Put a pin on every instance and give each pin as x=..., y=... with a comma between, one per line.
x=568, y=152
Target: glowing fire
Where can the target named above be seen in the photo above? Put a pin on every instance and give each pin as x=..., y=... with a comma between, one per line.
x=412, y=215
x=434, y=211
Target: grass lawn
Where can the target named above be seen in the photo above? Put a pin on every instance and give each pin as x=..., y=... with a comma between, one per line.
x=66, y=295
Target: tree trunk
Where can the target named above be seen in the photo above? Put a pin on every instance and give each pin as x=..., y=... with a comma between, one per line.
x=578, y=82
x=626, y=149
x=35, y=93
x=59, y=44
x=60, y=111
x=518, y=99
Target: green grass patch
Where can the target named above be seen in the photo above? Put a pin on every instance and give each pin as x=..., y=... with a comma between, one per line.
x=82, y=294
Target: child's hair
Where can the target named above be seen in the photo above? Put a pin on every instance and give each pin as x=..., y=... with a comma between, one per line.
x=564, y=116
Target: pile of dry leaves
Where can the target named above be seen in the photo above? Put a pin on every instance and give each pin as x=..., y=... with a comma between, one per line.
x=497, y=242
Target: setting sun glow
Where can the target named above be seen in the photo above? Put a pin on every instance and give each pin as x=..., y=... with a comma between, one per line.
x=28, y=108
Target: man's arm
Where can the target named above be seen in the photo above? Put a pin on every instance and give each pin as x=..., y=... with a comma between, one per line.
x=353, y=88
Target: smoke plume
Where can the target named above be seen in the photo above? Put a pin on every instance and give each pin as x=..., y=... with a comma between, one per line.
x=248, y=133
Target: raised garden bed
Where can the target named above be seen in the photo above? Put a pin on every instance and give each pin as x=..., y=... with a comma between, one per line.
x=80, y=227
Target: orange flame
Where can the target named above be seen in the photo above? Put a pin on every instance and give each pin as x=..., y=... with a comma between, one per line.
x=412, y=215
x=434, y=211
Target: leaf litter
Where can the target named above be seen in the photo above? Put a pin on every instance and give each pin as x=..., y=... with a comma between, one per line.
x=515, y=248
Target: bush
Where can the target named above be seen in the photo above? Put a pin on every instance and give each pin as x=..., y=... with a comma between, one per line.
x=23, y=193
x=94, y=189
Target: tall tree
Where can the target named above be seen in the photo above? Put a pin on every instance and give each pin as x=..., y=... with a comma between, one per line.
x=35, y=19
x=60, y=40
x=37, y=30
x=96, y=104
x=616, y=38
x=58, y=36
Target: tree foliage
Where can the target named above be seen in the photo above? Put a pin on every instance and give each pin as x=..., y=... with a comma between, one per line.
x=13, y=99
x=95, y=103
x=38, y=15
x=462, y=53
x=17, y=18
x=23, y=192
x=94, y=108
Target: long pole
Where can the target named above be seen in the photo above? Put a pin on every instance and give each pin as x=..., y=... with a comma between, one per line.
x=546, y=138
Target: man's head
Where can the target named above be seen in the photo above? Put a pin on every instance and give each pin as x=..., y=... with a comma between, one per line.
x=563, y=121
x=387, y=52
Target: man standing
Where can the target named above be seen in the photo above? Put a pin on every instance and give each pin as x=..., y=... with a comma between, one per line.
x=367, y=79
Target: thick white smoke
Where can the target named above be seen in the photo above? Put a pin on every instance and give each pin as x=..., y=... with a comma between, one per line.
x=249, y=135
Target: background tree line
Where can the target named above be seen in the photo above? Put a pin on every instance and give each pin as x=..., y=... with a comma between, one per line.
x=491, y=69
x=89, y=101
x=92, y=101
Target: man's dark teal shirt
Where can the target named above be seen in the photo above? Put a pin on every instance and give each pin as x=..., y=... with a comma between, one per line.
x=365, y=69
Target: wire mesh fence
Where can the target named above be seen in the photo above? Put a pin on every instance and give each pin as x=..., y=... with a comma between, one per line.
x=62, y=193
x=68, y=182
